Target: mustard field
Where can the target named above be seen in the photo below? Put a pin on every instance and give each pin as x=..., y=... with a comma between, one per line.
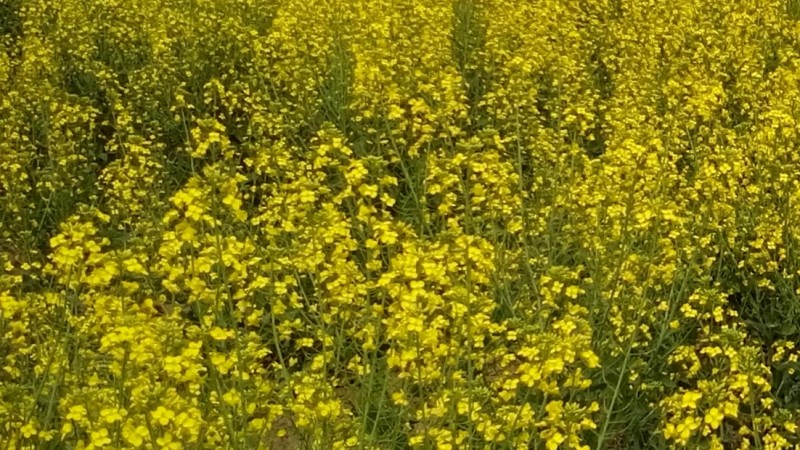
x=399, y=224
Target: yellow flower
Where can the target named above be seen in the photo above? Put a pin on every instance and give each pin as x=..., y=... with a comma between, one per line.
x=99, y=438
x=689, y=399
x=76, y=413
x=28, y=430
x=555, y=440
x=134, y=435
x=399, y=398
x=220, y=334
x=714, y=418
x=162, y=415
x=573, y=292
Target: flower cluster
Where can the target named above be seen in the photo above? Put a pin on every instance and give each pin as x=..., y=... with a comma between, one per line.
x=384, y=224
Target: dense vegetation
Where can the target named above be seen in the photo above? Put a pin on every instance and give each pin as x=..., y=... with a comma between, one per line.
x=389, y=224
